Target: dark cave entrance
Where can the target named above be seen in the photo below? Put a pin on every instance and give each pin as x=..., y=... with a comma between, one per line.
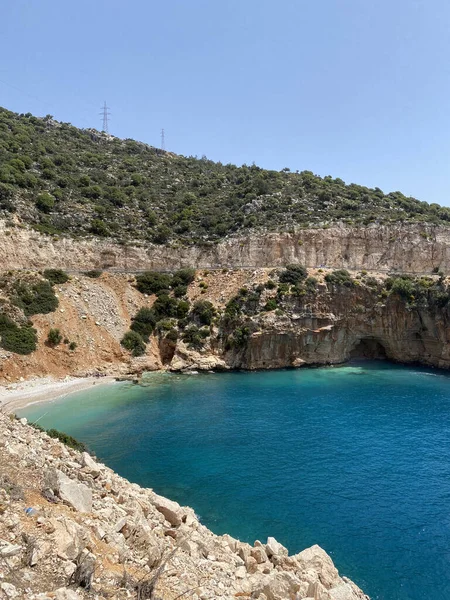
x=368, y=348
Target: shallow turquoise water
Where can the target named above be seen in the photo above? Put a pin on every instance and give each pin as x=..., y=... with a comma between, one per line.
x=356, y=459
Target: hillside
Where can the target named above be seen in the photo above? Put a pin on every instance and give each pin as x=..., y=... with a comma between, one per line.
x=53, y=325
x=63, y=180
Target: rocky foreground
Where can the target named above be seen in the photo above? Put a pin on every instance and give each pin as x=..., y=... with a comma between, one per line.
x=70, y=528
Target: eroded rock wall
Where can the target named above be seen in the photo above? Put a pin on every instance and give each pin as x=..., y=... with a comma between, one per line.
x=406, y=248
x=349, y=323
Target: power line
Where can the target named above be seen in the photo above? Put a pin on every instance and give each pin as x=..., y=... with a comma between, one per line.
x=163, y=140
x=105, y=114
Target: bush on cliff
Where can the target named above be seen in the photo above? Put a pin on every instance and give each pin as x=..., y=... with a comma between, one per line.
x=134, y=343
x=339, y=277
x=54, y=337
x=195, y=337
x=152, y=282
x=56, y=276
x=203, y=311
x=293, y=274
x=15, y=338
x=144, y=323
x=33, y=299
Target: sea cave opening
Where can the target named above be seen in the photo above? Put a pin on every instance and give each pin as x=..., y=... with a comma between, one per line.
x=368, y=348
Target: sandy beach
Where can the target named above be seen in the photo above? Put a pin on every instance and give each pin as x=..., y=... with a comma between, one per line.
x=44, y=389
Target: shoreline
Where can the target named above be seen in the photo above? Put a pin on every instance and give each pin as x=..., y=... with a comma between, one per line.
x=41, y=390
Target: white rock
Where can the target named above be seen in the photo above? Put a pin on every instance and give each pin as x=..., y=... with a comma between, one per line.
x=170, y=509
x=342, y=592
x=66, y=594
x=9, y=590
x=78, y=495
x=7, y=549
x=240, y=573
x=274, y=548
x=90, y=465
x=316, y=559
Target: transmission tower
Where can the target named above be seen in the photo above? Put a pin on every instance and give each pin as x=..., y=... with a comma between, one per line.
x=163, y=141
x=105, y=114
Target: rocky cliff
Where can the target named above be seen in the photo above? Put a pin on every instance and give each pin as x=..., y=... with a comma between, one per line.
x=70, y=528
x=272, y=327
x=404, y=248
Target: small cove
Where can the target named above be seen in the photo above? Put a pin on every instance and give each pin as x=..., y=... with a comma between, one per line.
x=354, y=458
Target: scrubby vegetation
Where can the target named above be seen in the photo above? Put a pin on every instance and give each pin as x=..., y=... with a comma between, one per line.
x=153, y=282
x=34, y=298
x=23, y=295
x=93, y=274
x=56, y=276
x=339, y=277
x=65, y=438
x=54, y=337
x=134, y=343
x=293, y=274
x=61, y=179
x=21, y=339
x=419, y=291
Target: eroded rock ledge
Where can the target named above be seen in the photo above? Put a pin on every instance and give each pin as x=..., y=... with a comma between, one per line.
x=414, y=248
x=93, y=534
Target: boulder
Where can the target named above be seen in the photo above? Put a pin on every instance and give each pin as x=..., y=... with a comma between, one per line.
x=7, y=549
x=316, y=559
x=9, y=590
x=281, y=585
x=66, y=594
x=77, y=495
x=171, y=510
x=69, y=538
x=274, y=548
x=343, y=592
x=90, y=465
x=259, y=554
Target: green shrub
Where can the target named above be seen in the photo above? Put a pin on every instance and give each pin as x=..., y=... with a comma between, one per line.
x=203, y=311
x=172, y=335
x=271, y=304
x=45, y=203
x=38, y=298
x=339, y=277
x=195, y=337
x=293, y=274
x=165, y=306
x=152, y=282
x=179, y=291
x=56, y=276
x=183, y=277
x=240, y=336
x=72, y=346
x=134, y=343
x=54, y=337
x=66, y=439
x=144, y=323
x=21, y=340
x=93, y=274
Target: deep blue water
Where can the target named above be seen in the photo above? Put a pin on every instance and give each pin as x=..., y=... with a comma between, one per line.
x=355, y=459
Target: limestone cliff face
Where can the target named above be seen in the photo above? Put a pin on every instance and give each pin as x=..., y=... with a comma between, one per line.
x=348, y=323
x=406, y=248
x=326, y=326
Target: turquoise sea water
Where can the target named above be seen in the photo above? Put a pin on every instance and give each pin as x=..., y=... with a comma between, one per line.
x=356, y=459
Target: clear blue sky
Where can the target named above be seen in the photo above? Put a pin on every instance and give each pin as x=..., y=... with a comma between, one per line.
x=357, y=89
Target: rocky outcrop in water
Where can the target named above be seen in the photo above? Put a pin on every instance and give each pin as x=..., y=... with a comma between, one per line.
x=70, y=528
